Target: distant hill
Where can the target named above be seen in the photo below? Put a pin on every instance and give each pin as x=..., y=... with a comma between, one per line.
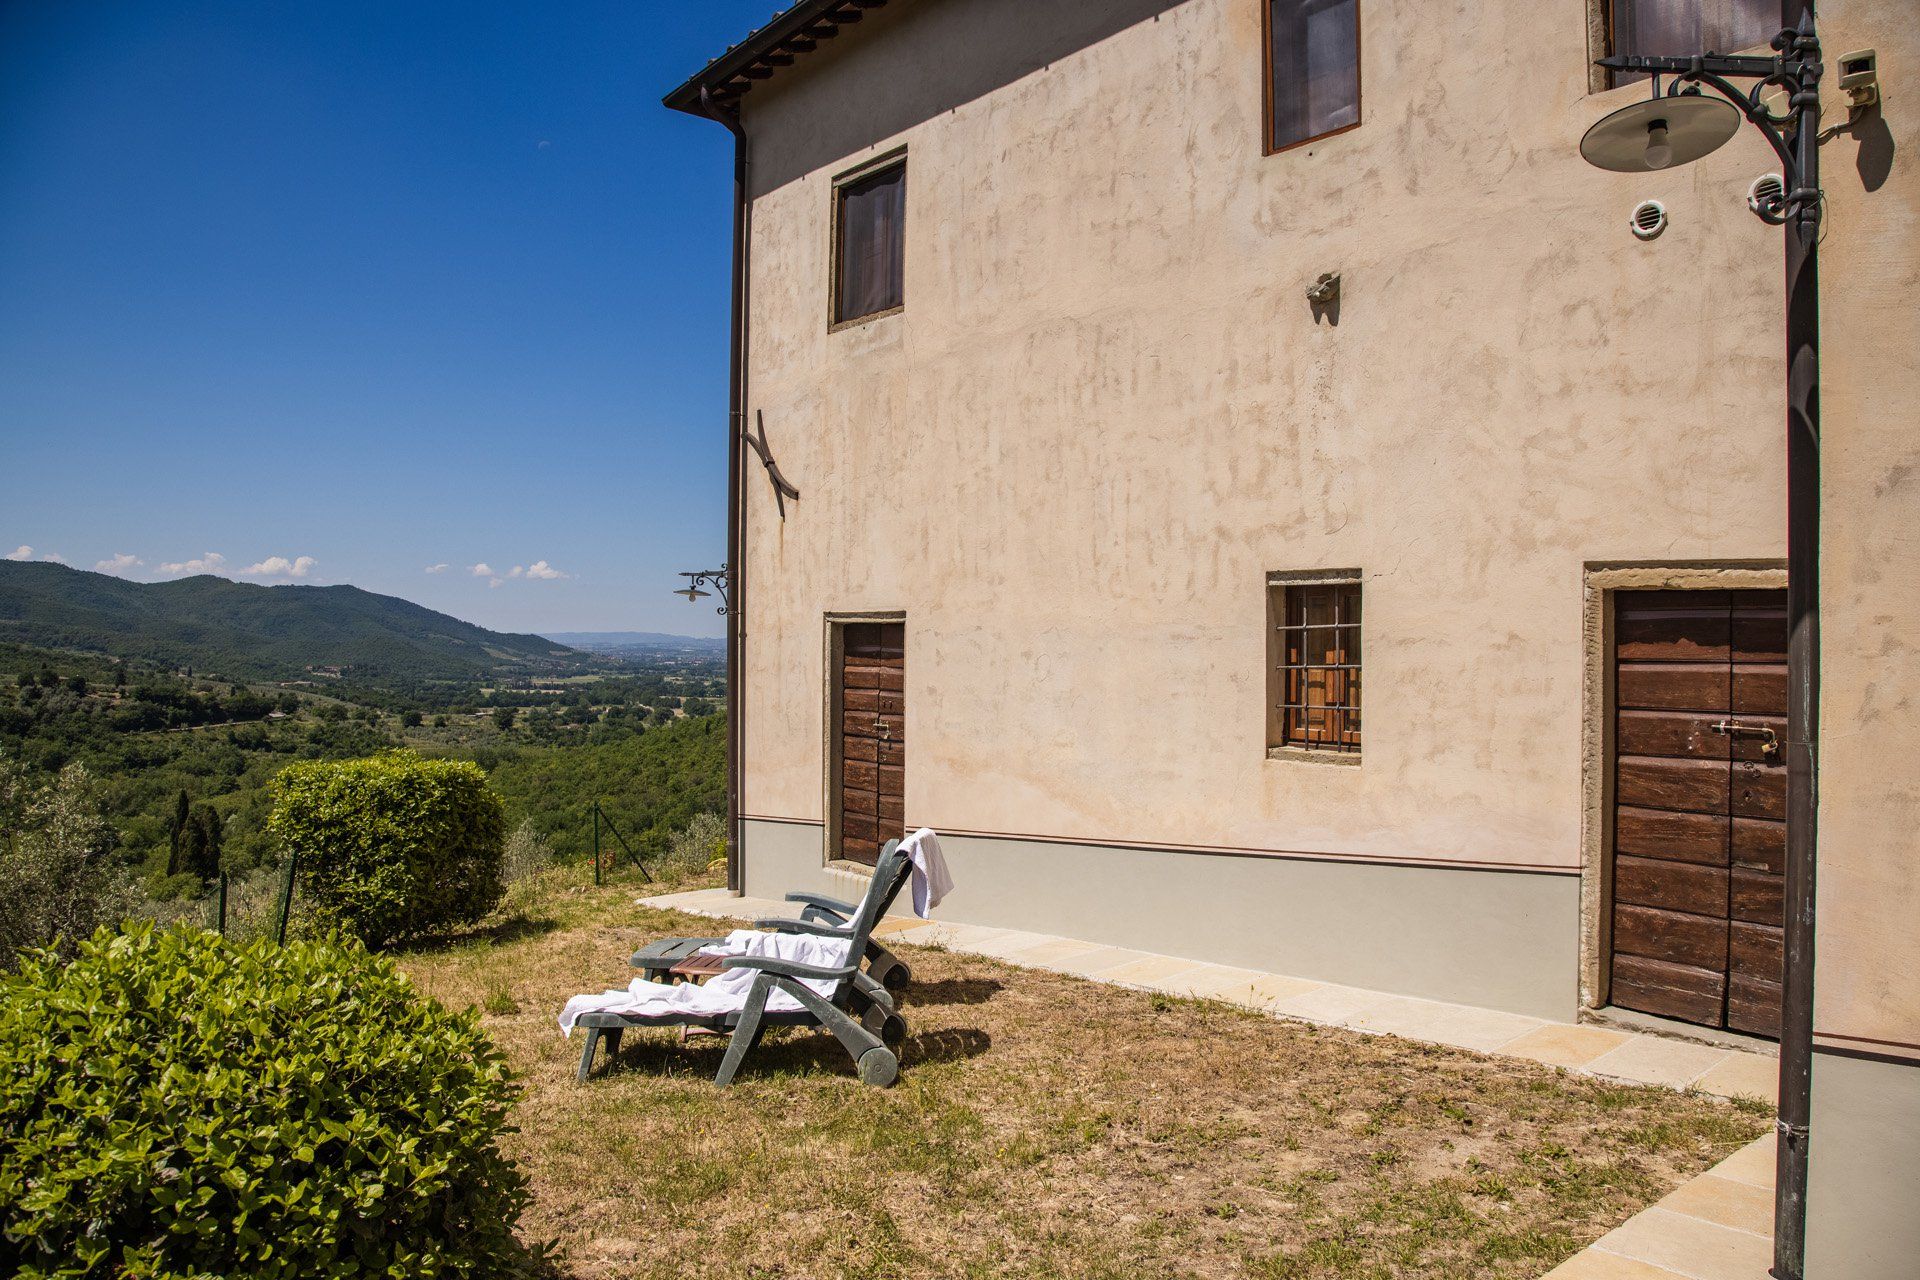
x=615, y=643
x=245, y=630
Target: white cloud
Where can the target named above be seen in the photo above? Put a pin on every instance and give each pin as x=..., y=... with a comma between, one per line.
x=545, y=572
x=119, y=562
x=211, y=562
x=281, y=567
x=54, y=557
x=438, y=568
x=481, y=570
x=21, y=552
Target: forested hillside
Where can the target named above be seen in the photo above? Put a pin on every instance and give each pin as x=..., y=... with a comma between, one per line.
x=179, y=764
x=247, y=631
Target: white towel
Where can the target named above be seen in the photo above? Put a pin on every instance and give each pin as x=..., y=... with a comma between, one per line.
x=725, y=991
x=931, y=881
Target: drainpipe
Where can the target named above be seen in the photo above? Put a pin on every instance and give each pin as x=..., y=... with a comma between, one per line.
x=736, y=597
x=1803, y=658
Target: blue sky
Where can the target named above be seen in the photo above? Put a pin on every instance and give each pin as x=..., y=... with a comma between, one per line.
x=384, y=286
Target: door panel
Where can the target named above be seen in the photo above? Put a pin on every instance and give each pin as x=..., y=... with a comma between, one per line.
x=1678, y=837
x=871, y=714
x=1672, y=886
x=1696, y=786
x=1670, y=935
x=1672, y=685
x=1670, y=990
x=1700, y=799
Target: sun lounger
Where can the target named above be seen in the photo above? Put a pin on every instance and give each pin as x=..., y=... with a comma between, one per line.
x=822, y=916
x=853, y=999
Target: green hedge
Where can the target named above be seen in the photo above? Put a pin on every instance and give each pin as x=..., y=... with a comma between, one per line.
x=175, y=1105
x=392, y=846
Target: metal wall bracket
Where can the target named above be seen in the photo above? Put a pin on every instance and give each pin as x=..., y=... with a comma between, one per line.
x=782, y=489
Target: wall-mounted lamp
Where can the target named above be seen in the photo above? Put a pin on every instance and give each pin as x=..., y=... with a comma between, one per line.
x=715, y=578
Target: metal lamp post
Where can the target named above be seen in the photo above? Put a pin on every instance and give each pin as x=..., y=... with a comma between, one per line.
x=1676, y=128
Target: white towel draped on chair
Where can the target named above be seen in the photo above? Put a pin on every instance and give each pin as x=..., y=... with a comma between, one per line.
x=725, y=991
x=931, y=881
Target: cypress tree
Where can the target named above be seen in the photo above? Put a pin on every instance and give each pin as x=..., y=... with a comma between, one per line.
x=202, y=852
x=177, y=834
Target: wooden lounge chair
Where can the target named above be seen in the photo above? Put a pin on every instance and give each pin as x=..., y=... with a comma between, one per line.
x=848, y=1010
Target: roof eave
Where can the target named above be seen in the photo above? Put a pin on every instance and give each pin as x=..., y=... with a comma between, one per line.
x=798, y=31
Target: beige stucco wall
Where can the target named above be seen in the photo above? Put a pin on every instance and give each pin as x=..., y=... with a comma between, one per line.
x=1867, y=983
x=1107, y=413
x=1865, y=1144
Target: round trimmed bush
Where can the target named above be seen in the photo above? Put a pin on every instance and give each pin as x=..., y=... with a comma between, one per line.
x=393, y=846
x=174, y=1105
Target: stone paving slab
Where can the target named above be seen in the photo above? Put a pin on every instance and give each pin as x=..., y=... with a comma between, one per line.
x=1151, y=973
x=1689, y=1246
x=1743, y=1075
x=1462, y=1026
x=1718, y=1226
x=1654, y=1060
x=1560, y=1045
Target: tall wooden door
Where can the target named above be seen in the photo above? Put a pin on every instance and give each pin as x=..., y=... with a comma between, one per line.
x=1700, y=793
x=873, y=737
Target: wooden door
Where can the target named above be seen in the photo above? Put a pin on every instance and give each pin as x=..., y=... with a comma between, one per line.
x=1700, y=796
x=872, y=733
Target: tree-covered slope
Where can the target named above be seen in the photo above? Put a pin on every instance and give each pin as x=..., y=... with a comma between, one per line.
x=245, y=630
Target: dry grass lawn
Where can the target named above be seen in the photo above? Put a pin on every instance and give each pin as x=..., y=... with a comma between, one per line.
x=1047, y=1126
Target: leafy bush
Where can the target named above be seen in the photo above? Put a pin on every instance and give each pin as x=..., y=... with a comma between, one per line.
x=528, y=853
x=56, y=883
x=393, y=846
x=175, y=1105
x=693, y=850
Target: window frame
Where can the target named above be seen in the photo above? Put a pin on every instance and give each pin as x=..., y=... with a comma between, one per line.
x=1266, y=82
x=894, y=159
x=1281, y=672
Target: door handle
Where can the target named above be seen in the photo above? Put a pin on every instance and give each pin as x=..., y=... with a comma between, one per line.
x=1769, y=748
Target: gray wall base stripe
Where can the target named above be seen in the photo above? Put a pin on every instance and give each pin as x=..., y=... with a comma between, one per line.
x=1500, y=941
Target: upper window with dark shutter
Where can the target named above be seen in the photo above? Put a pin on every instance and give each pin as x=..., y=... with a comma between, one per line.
x=1676, y=28
x=870, y=216
x=1313, y=70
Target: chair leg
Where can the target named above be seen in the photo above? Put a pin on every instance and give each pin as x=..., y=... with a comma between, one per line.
x=872, y=1060
x=746, y=1032
x=613, y=1045
x=586, y=1054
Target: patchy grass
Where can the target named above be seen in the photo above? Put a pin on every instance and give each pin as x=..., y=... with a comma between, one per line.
x=1046, y=1126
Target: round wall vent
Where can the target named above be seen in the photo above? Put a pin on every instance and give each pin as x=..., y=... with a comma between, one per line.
x=1649, y=219
x=1767, y=197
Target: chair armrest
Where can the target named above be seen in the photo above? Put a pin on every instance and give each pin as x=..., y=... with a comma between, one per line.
x=782, y=924
x=789, y=968
x=834, y=905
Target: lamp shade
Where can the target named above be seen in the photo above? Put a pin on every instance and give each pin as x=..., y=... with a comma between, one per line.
x=1660, y=133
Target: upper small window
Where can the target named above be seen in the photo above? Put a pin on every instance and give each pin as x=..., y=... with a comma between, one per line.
x=1676, y=28
x=1313, y=70
x=869, y=243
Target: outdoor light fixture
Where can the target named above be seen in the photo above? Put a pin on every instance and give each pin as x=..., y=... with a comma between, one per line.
x=1660, y=132
x=715, y=578
x=1678, y=127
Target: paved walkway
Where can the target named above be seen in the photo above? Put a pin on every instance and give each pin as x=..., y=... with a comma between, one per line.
x=1719, y=1226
